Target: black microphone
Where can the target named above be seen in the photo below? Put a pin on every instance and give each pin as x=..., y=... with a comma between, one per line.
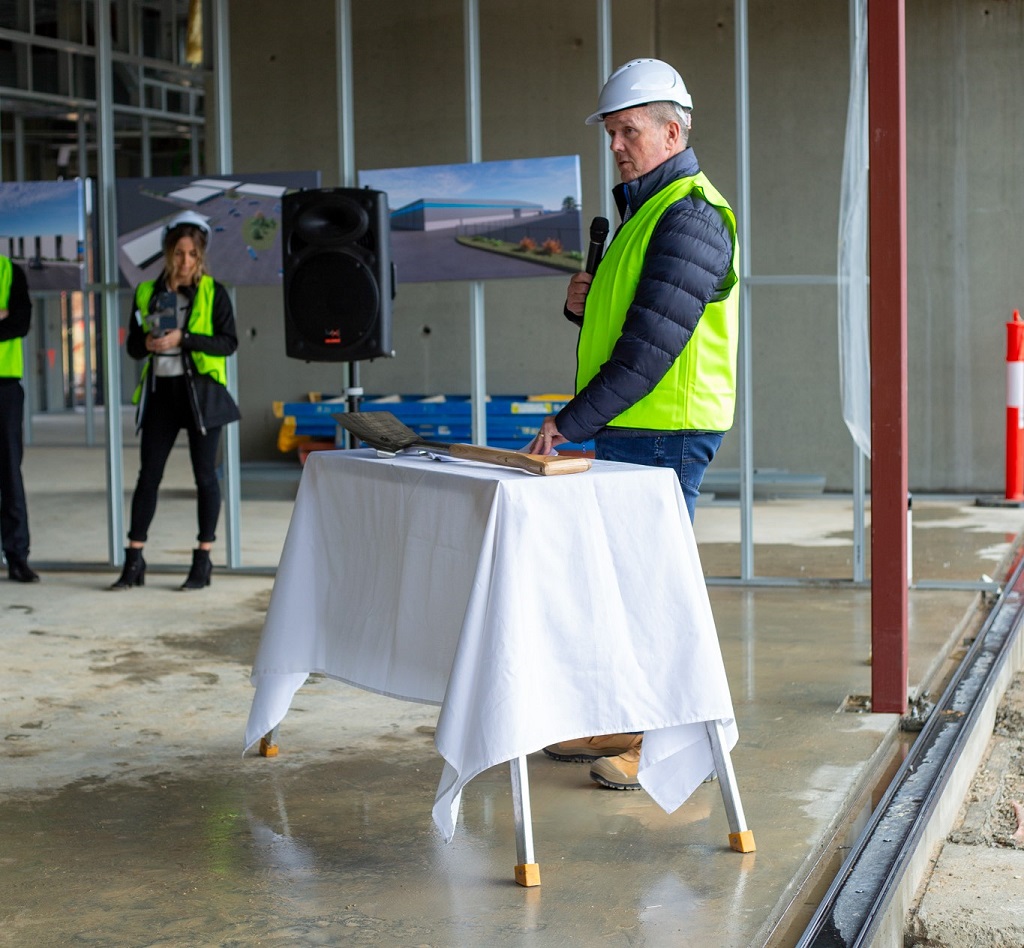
x=598, y=235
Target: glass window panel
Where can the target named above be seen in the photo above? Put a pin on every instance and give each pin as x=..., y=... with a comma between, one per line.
x=9, y=71
x=85, y=77
x=44, y=70
x=19, y=12
x=44, y=15
x=152, y=38
x=126, y=84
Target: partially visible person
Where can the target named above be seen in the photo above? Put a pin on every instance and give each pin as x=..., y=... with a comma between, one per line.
x=15, y=317
x=659, y=323
x=183, y=325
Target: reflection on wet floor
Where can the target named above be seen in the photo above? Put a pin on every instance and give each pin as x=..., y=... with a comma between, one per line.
x=332, y=843
x=950, y=542
x=341, y=853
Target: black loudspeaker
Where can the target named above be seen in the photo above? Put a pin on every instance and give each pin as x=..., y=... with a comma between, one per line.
x=339, y=279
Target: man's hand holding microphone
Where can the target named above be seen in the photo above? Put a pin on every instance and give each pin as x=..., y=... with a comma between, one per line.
x=548, y=438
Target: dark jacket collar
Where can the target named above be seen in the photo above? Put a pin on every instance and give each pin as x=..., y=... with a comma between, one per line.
x=632, y=194
x=188, y=291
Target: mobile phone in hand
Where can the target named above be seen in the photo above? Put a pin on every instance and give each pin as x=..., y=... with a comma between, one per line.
x=163, y=316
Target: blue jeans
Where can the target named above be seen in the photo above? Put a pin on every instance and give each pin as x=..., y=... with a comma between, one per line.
x=688, y=454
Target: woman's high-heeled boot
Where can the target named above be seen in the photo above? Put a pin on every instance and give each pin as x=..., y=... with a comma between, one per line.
x=199, y=575
x=134, y=572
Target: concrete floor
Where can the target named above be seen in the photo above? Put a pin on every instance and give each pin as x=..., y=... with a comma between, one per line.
x=129, y=816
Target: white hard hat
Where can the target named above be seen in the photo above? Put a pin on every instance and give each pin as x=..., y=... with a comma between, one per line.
x=187, y=217
x=639, y=82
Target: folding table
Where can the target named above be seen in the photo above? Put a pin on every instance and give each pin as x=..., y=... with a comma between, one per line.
x=530, y=609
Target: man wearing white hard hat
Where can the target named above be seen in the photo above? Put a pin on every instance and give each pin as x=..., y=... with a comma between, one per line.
x=659, y=322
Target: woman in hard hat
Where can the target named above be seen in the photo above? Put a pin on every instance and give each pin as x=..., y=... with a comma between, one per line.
x=183, y=326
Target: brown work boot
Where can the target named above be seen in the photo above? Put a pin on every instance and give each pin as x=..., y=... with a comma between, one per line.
x=619, y=773
x=585, y=749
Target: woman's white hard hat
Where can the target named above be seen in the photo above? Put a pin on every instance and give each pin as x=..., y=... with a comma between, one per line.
x=187, y=217
x=639, y=82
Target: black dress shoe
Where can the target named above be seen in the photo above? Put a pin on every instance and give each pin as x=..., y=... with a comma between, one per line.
x=19, y=571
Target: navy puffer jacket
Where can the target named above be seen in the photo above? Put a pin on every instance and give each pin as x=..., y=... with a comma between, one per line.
x=687, y=266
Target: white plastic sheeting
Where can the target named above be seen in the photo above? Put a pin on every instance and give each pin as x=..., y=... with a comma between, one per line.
x=854, y=346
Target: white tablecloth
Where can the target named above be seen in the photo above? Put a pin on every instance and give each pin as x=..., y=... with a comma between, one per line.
x=531, y=609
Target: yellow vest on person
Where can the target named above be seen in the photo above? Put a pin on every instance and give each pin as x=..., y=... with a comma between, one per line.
x=200, y=323
x=11, y=359
x=698, y=393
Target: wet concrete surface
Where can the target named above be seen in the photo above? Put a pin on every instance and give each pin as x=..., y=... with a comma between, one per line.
x=315, y=857
x=130, y=817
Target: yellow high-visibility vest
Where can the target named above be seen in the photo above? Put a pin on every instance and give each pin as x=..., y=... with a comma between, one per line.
x=698, y=393
x=11, y=359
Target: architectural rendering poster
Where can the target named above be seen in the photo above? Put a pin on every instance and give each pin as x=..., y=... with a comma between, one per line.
x=486, y=220
x=42, y=228
x=243, y=211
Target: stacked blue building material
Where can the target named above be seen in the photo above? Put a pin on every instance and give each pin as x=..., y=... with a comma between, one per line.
x=512, y=420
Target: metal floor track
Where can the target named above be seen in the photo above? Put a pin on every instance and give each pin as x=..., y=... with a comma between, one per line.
x=872, y=890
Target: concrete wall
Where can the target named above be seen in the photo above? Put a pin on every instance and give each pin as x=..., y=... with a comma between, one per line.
x=966, y=194
x=539, y=80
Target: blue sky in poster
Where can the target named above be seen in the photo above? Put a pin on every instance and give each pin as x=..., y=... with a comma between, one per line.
x=545, y=181
x=41, y=209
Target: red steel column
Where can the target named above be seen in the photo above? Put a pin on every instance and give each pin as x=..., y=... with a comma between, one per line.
x=887, y=154
x=1015, y=408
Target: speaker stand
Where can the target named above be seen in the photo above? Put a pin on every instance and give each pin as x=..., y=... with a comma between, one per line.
x=354, y=394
